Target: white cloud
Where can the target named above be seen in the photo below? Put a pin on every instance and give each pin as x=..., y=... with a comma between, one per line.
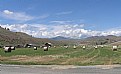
x=116, y=32
x=64, y=13
x=69, y=30
x=61, y=22
x=19, y=16
x=43, y=16
x=8, y=12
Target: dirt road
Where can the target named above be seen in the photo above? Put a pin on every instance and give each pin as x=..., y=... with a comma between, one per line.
x=55, y=69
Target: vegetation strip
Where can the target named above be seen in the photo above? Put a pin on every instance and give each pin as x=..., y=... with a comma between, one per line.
x=89, y=59
x=61, y=56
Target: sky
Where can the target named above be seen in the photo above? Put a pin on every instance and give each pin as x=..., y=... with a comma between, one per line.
x=67, y=18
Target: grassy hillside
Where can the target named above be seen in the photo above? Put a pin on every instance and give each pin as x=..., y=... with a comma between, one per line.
x=13, y=38
x=8, y=37
x=95, y=40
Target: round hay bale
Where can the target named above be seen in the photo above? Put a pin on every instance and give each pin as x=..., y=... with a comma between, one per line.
x=84, y=47
x=7, y=49
x=115, y=48
x=12, y=48
x=95, y=47
x=35, y=48
x=45, y=48
x=74, y=47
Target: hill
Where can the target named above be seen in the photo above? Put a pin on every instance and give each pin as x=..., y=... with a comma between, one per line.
x=8, y=37
x=94, y=40
x=102, y=39
x=60, y=38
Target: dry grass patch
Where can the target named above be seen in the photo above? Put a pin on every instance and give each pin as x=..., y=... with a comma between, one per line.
x=3, y=58
x=24, y=58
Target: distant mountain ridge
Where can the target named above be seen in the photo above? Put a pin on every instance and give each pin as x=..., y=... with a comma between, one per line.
x=94, y=40
x=8, y=37
x=60, y=38
x=97, y=40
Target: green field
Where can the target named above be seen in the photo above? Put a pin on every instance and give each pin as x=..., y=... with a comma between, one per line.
x=62, y=56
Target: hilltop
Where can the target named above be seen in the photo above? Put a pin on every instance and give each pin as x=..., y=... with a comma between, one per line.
x=60, y=38
x=8, y=37
x=95, y=40
x=99, y=40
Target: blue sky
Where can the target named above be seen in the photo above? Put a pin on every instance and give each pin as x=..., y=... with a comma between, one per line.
x=98, y=17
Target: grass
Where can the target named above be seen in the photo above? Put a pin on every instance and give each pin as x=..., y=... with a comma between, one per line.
x=62, y=56
x=39, y=52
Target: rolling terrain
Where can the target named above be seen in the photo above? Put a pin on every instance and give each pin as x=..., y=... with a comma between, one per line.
x=8, y=37
x=59, y=55
x=95, y=40
x=62, y=56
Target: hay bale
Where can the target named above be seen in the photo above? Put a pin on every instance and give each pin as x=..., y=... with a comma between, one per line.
x=95, y=47
x=45, y=48
x=7, y=49
x=84, y=47
x=66, y=47
x=102, y=46
x=74, y=47
x=115, y=48
x=35, y=48
x=12, y=48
